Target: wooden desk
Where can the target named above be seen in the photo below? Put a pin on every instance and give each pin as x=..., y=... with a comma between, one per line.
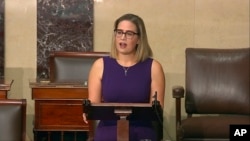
x=5, y=86
x=58, y=106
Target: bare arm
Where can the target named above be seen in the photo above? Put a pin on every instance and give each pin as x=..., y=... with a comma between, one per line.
x=158, y=82
x=94, y=83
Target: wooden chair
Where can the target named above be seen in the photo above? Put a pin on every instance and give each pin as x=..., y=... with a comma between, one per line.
x=71, y=67
x=12, y=120
x=216, y=93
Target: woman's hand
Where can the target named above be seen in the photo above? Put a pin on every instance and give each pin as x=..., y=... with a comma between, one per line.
x=84, y=117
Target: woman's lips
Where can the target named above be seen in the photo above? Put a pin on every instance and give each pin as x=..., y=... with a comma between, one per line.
x=123, y=45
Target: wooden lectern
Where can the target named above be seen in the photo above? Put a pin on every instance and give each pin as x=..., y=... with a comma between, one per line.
x=123, y=113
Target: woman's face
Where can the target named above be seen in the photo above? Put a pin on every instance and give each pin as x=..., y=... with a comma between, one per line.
x=126, y=37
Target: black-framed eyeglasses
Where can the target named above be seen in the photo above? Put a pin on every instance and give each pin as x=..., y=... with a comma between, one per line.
x=128, y=34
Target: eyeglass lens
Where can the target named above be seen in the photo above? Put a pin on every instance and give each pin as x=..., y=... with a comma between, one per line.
x=128, y=34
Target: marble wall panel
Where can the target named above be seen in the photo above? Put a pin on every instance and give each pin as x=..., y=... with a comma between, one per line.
x=62, y=26
x=2, y=38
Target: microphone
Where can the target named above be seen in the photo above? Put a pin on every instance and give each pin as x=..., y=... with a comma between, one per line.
x=86, y=103
x=155, y=102
x=157, y=107
x=159, y=112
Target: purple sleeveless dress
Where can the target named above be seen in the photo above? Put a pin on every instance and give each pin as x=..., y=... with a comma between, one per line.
x=133, y=86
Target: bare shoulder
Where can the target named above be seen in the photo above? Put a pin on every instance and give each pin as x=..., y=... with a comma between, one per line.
x=156, y=65
x=98, y=63
x=97, y=68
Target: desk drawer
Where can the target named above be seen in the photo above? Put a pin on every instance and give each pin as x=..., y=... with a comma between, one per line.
x=59, y=115
x=59, y=93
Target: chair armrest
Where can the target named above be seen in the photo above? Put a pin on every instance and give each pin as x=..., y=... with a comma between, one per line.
x=178, y=93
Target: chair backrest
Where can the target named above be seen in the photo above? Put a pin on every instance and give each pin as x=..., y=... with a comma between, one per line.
x=12, y=119
x=72, y=66
x=217, y=81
